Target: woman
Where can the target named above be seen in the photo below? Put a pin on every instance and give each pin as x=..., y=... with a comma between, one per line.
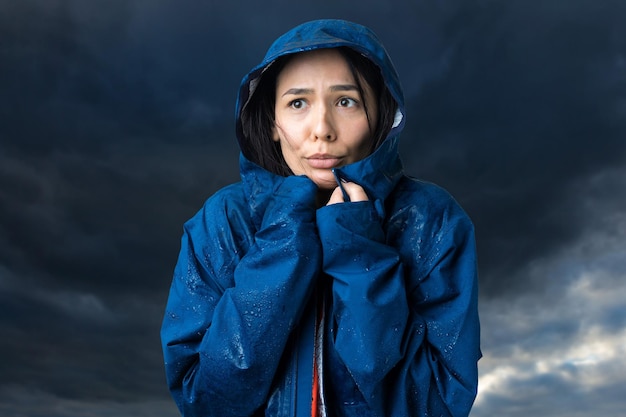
x=326, y=282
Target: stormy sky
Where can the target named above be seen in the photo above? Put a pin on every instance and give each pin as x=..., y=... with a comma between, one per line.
x=116, y=123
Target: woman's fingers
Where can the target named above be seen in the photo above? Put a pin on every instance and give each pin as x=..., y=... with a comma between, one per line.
x=354, y=191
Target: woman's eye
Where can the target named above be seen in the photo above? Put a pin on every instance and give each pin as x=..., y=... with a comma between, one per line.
x=297, y=104
x=347, y=102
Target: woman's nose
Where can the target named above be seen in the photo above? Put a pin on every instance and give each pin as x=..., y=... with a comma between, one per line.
x=323, y=125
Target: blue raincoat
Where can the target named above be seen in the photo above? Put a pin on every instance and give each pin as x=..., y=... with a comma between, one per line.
x=396, y=277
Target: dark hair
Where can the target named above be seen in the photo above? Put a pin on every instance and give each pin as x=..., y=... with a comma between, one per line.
x=257, y=116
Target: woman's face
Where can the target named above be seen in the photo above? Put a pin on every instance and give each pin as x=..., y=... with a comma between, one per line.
x=320, y=116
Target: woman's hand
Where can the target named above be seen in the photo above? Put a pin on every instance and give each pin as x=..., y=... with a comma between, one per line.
x=354, y=191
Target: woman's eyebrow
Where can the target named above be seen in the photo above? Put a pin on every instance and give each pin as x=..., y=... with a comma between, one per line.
x=303, y=91
x=344, y=87
x=298, y=91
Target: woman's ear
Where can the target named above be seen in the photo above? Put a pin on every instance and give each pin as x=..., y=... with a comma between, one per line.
x=275, y=136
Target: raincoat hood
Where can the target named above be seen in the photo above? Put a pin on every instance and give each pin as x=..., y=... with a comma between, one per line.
x=320, y=34
x=333, y=33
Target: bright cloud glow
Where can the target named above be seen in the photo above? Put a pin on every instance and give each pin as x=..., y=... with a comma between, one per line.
x=567, y=342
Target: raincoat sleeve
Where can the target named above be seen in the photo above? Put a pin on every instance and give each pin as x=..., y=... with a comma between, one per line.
x=405, y=321
x=228, y=318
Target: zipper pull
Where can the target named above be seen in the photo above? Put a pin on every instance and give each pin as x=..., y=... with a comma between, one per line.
x=340, y=181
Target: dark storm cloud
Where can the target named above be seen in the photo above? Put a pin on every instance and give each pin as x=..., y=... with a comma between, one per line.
x=531, y=103
x=105, y=151
x=87, y=80
x=73, y=211
x=88, y=246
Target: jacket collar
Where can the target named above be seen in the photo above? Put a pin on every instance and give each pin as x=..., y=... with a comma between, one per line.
x=259, y=185
x=378, y=174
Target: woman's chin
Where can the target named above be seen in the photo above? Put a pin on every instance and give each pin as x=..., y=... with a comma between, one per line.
x=324, y=180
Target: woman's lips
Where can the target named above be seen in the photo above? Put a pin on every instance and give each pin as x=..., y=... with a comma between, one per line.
x=323, y=161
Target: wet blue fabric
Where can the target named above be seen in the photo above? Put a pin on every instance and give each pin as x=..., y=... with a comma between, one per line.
x=398, y=274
